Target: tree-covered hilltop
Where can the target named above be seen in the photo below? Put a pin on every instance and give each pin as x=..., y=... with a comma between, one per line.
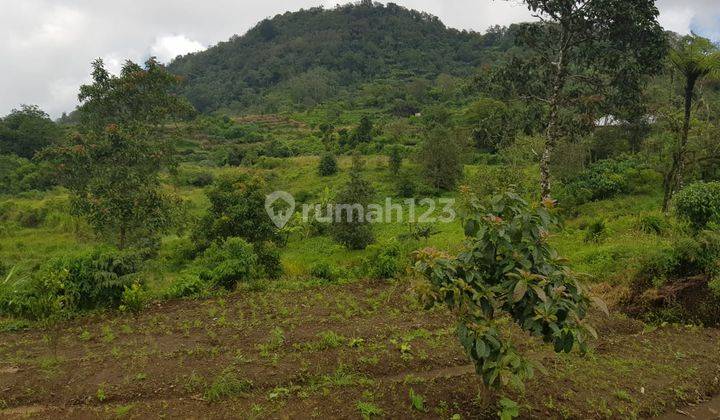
x=311, y=55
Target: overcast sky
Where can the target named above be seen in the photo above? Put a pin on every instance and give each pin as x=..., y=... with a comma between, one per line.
x=46, y=46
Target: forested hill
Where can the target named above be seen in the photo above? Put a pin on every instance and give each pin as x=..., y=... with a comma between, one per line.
x=311, y=55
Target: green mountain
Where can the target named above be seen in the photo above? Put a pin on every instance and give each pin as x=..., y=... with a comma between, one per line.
x=309, y=56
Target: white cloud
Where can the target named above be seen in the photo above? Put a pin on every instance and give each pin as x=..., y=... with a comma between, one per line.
x=47, y=45
x=168, y=47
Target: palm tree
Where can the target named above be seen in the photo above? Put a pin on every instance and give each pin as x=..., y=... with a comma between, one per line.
x=695, y=58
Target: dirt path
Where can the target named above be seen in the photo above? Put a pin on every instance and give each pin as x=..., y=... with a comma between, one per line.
x=706, y=411
x=332, y=352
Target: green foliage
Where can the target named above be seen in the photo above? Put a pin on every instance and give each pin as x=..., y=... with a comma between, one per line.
x=699, y=204
x=325, y=271
x=385, y=261
x=19, y=175
x=417, y=401
x=328, y=165
x=395, y=159
x=227, y=385
x=187, y=285
x=441, y=159
x=195, y=177
x=653, y=224
x=268, y=260
x=369, y=410
x=291, y=66
x=601, y=180
x=96, y=279
x=509, y=409
x=237, y=209
x=27, y=131
x=687, y=257
x=134, y=299
x=490, y=122
x=228, y=263
x=353, y=229
x=596, y=231
x=507, y=269
x=112, y=167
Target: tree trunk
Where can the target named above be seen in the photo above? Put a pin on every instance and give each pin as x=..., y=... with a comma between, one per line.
x=123, y=237
x=552, y=134
x=674, y=179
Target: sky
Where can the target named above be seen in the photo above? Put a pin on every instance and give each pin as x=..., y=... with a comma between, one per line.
x=46, y=46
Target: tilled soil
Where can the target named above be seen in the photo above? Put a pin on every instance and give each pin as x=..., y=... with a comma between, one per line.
x=338, y=351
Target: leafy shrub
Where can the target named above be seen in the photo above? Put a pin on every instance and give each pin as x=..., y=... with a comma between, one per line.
x=31, y=218
x=507, y=269
x=96, y=279
x=181, y=251
x=699, y=204
x=195, y=177
x=406, y=185
x=328, y=165
x=134, y=298
x=226, y=264
x=353, y=230
x=596, y=231
x=324, y=271
x=653, y=224
x=268, y=260
x=687, y=257
x=187, y=286
x=601, y=180
x=385, y=261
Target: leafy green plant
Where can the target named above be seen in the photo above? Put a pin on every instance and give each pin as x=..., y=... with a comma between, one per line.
x=596, y=231
x=226, y=264
x=328, y=165
x=187, y=285
x=385, y=261
x=324, y=271
x=417, y=401
x=507, y=269
x=653, y=224
x=226, y=385
x=509, y=409
x=699, y=204
x=134, y=298
x=368, y=410
x=601, y=180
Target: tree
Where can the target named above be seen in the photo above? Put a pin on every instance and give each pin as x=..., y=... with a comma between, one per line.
x=26, y=131
x=695, y=58
x=112, y=165
x=328, y=165
x=585, y=56
x=351, y=226
x=441, y=159
x=237, y=209
x=491, y=124
x=395, y=160
x=363, y=132
x=507, y=270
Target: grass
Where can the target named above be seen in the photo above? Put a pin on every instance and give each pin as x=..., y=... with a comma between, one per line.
x=227, y=385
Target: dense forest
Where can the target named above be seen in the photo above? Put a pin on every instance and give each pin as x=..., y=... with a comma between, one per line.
x=550, y=246
x=306, y=57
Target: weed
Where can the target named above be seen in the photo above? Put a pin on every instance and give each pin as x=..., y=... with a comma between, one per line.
x=368, y=410
x=227, y=385
x=417, y=401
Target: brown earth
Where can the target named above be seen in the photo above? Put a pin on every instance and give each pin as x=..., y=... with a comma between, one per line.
x=332, y=352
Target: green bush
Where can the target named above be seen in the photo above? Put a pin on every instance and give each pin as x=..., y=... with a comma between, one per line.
x=96, y=279
x=324, y=271
x=596, y=231
x=187, y=286
x=601, y=180
x=385, y=261
x=195, y=177
x=328, y=165
x=134, y=298
x=687, y=257
x=224, y=265
x=268, y=260
x=653, y=224
x=699, y=204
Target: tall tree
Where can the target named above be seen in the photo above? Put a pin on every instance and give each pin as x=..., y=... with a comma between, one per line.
x=584, y=55
x=694, y=58
x=26, y=131
x=112, y=165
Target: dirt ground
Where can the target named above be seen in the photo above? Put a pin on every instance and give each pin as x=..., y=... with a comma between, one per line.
x=337, y=351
